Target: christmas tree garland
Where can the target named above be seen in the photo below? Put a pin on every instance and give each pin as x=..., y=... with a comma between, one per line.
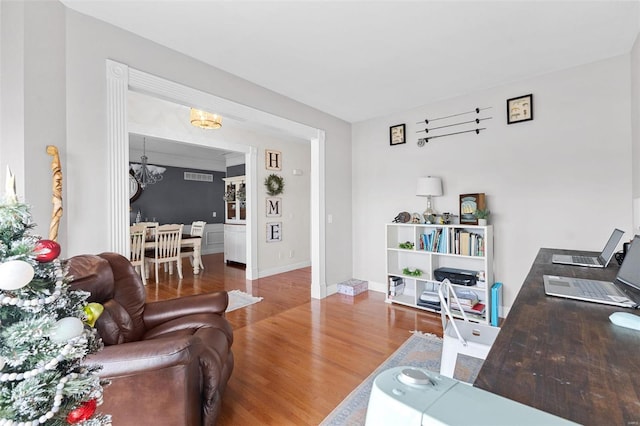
x=46, y=331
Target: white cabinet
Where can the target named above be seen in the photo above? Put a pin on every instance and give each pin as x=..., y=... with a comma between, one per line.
x=235, y=243
x=414, y=251
x=235, y=199
x=235, y=235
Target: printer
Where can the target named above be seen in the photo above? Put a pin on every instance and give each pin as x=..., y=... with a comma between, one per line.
x=456, y=276
x=417, y=396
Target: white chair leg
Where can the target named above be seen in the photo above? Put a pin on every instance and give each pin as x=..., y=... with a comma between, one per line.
x=179, y=267
x=140, y=270
x=448, y=360
x=156, y=273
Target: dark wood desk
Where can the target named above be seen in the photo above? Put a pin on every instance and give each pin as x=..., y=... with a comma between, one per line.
x=565, y=357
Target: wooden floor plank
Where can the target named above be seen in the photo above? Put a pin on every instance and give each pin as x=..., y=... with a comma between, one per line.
x=296, y=358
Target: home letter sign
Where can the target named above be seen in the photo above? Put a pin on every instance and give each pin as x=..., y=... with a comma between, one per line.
x=273, y=206
x=274, y=232
x=273, y=159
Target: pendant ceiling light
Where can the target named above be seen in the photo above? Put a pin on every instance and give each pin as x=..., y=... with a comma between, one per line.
x=205, y=120
x=147, y=174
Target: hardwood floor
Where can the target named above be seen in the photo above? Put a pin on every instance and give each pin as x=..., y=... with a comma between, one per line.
x=296, y=358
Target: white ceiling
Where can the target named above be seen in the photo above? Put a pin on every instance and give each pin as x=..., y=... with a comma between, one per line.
x=358, y=60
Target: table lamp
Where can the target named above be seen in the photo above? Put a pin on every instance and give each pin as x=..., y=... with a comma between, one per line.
x=429, y=187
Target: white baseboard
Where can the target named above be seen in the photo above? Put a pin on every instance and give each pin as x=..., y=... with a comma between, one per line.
x=281, y=269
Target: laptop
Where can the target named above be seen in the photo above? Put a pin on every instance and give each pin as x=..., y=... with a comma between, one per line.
x=600, y=261
x=608, y=293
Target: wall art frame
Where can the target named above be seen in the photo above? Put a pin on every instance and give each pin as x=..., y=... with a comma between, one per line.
x=520, y=109
x=469, y=204
x=397, y=134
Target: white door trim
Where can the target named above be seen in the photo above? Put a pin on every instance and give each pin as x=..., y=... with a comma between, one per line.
x=121, y=78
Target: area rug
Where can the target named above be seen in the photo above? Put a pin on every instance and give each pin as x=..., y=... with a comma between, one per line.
x=420, y=350
x=239, y=299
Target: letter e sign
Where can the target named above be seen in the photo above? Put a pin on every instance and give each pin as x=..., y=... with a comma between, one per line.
x=274, y=232
x=273, y=160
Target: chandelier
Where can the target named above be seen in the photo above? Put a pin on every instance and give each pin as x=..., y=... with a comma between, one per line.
x=205, y=120
x=147, y=174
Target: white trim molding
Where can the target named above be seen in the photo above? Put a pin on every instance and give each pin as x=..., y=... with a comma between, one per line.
x=121, y=79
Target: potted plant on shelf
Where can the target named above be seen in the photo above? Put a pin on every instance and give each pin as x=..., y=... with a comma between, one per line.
x=482, y=215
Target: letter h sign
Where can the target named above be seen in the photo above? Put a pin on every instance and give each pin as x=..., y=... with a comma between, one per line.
x=273, y=160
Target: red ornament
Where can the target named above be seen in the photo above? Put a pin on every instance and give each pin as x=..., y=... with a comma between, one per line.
x=82, y=413
x=46, y=250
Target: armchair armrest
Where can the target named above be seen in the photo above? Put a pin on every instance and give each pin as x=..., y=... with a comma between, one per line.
x=156, y=313
x=146, y=355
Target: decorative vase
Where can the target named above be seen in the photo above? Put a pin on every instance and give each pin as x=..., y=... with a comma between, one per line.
x=482, y=222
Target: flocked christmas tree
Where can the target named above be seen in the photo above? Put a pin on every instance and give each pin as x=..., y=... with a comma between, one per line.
x=46, y=330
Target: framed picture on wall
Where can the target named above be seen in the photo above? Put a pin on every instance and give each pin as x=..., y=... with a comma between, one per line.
x=397, y=134
x=520, y=109
x=469, y=203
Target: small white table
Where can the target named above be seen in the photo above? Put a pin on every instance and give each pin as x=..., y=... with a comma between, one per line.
x=196, y=243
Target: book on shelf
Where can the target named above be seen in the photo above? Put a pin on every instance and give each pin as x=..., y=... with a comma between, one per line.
x=465, y=238
x=434, y=241
x=477, y=309
x=396, y=286
x=466, y=243
x=466, y=298
x=431, y=305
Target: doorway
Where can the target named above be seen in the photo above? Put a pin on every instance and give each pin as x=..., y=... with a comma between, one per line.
x=121, y=79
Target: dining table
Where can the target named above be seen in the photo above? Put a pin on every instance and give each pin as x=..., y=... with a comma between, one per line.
x=186, y=240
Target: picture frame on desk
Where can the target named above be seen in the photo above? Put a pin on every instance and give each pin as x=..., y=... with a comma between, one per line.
x=469, y=204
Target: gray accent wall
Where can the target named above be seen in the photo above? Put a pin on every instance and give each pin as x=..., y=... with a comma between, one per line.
x=238, y=170
x=175, y=200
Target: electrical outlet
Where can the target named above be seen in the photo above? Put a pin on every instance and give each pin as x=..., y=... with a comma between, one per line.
x=215, y=214
x=291, y=254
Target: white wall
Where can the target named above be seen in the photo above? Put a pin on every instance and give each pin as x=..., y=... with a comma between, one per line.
x=33, y=103
x=635, y=130
x=294, y=251
x=562, y=180
x=88, y=43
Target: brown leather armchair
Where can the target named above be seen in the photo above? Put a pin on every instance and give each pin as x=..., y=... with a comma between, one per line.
x=168, y=361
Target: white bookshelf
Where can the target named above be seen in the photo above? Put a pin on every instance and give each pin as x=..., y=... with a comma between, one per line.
x=450, y=254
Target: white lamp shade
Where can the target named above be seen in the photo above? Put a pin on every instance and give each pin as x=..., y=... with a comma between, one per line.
x=429, y=186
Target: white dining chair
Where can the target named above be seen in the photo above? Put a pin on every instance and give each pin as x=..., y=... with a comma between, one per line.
x=138, y=234
x=151, y=228
x=197, y=230
x=166, y=249
x=461, y=336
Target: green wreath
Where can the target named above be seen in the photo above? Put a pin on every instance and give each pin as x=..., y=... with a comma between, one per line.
x=274, y=184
